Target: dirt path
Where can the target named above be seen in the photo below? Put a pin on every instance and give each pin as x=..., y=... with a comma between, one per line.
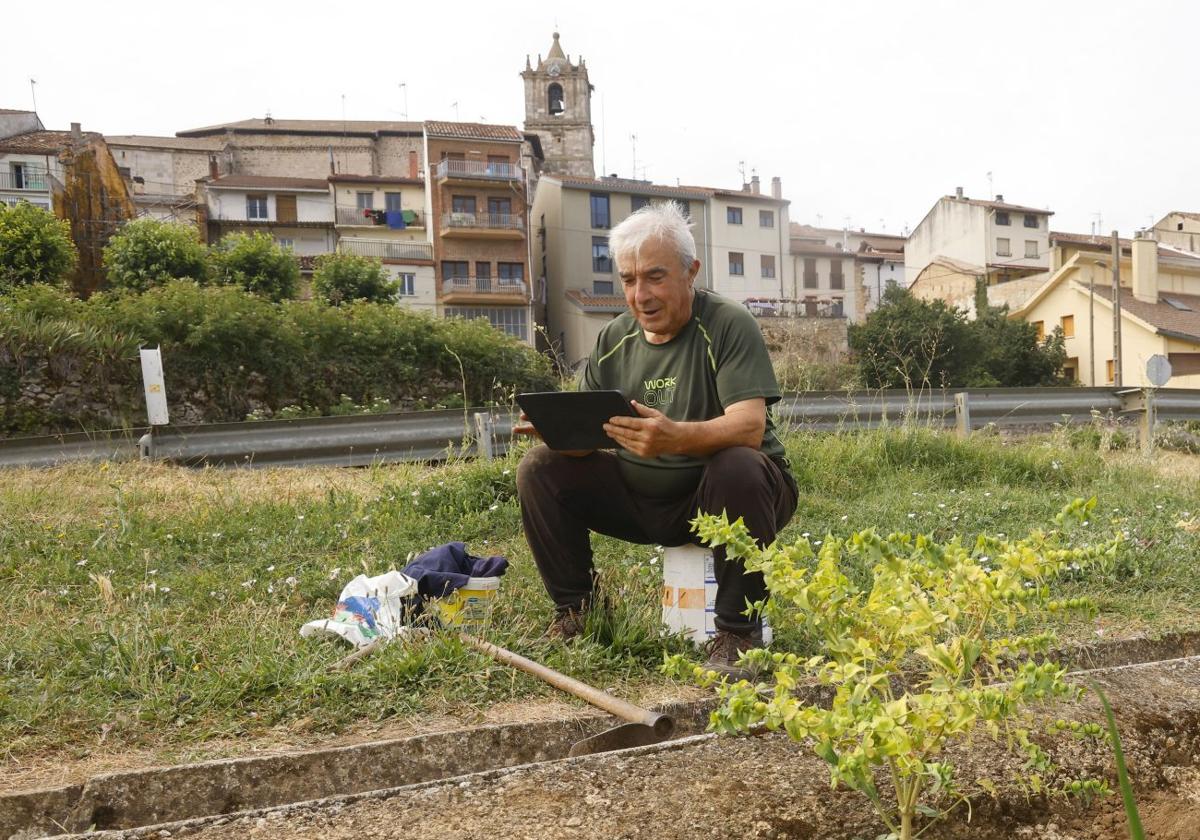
x=768, y=787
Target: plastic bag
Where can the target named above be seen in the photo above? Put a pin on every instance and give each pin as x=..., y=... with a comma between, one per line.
x=368, y=608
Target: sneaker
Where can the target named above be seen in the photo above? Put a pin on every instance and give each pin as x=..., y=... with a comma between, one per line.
x=723, y=650
x=567, y=625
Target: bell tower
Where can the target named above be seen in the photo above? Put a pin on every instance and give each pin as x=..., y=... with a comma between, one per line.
x=558, y=108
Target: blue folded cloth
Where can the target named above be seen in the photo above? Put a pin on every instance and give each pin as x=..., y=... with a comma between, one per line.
x=448, y=567
x=395, y=219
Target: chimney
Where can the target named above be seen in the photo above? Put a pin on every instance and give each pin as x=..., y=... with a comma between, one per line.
x=958, y=192
x=213, y=171
x=776, y=187
x=1145, y=267
x=76, y=133
x=412, y=163
x=754, y=184
x=999, y=198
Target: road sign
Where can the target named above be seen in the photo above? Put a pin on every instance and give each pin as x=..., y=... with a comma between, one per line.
x=1158, y=370
x=156, y=388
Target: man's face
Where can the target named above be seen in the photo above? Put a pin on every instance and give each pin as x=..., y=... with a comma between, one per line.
x=658, y=289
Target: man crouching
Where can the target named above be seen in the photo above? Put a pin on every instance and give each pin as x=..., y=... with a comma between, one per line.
x=697, y=369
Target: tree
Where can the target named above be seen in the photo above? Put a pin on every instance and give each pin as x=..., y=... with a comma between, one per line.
x=1010, y=355
x=35, y=247
x=908, y=343
x=148, y=252
x=257, y=263
x=340, y=278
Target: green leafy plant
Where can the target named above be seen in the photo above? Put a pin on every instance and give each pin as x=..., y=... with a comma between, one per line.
x=147, y=252
x=35, y=247
x=256, y=263
x=920, y=657
x=341, y=278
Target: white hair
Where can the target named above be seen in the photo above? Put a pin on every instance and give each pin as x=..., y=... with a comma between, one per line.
x=664, y=222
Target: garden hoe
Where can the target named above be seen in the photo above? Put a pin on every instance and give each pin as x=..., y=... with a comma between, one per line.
x=644, y=726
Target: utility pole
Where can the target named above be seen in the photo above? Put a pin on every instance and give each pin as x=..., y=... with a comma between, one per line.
x=33, y=93
x=1092, y=324
x=1116, y=282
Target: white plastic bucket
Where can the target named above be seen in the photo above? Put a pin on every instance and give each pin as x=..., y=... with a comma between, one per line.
x=689, y=593
x=470, y=607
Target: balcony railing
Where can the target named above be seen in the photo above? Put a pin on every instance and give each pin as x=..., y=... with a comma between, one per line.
x=483, y=221
x=28, y=178
x=483, y=286
x=478, y=169
x=375, y=218
x=386, y=249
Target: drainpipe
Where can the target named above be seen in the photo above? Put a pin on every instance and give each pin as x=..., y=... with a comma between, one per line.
x=782, y=208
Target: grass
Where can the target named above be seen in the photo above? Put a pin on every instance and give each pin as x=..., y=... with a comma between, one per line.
x=154, y=607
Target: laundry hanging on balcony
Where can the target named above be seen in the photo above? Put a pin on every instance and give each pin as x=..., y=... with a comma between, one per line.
x=395, y=219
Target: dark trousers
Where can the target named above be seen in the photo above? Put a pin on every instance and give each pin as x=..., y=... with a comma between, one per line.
x=563, y=498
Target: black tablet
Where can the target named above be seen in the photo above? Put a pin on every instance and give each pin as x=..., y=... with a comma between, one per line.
x=574, y=419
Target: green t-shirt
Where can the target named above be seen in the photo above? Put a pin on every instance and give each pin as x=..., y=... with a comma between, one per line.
x=718, y=359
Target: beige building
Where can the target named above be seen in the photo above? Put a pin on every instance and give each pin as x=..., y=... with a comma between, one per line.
x=878, y=265
x=1006, y=240
x=1179, y=230
x=161, y=172
x=385, y=218
x=578, y=291
x=823, y=276
x=748, y=236
x=1160, y=309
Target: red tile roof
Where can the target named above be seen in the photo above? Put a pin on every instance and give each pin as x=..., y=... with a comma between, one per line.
x=629, y=185
x=41, y=142
x=267, y=182
x=374, y=179
x=1166, y=319
x=820, y=249
x=589, y=302
x=146, y=141
x=14, y=111
x=1104, y=243
x=473, y=131
x=322, y=127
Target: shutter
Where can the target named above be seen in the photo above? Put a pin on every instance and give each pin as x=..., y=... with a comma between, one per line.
x=285, y=208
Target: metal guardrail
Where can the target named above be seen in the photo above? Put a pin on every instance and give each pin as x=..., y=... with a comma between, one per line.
x=363, y=440
x=478, y=169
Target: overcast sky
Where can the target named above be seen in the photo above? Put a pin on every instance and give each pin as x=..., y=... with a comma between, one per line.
x=868, y=110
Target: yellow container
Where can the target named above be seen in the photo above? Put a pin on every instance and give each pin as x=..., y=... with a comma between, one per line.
x=470, y=608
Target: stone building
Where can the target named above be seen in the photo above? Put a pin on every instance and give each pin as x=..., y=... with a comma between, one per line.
x=558, y=109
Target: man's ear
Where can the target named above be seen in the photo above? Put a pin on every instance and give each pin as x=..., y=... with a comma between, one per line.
x=693, y=271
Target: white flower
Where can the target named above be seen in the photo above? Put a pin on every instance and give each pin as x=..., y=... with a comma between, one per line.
x=845, y=517
x=506, y=472
x=912, y=516
x=494, y=507
x=415, y=493
x=290, y=580
x=300, y=517
x=154, y=571
x=816, y=542
x=270, y=588
x=246, y=584
x=170, y=536
x=805, y=534
x=165, y=589
x=82, y=562
x=216, y=535
x=988, y=493
x=62, y=592
x=941, y=504
x=1158, y=507
x=653, y=561
x=212, y=593
x=1029, y=584
x=271, y=568
x=953, y=518
x=334, y=572
x=1055, y=465
x=152, y=586
x=1087, y=522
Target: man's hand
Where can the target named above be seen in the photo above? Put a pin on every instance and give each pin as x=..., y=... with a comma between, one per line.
x=524, y=427
x=650, y=434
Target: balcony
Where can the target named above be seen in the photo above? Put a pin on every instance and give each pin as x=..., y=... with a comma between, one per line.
x=353, y=217
x=483, y=225
x=31, y=178
x=477, y=171
x=388, y=250
x=483, y=290
x=238, y=215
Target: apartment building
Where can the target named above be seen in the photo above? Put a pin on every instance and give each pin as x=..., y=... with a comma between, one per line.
x=161, y=172
x=477, y=203
x=385, y=218
x=579, y=291
x=999, y=240
x=749, y=245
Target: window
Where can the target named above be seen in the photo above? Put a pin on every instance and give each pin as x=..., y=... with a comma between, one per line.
x=1108, y=370
x=1031, y=221
x=500, y=207
x=733, y=215
x=768, y=265
x=1003, y=247
x=286, y=242
x=1002, y=218
x=392, y=202
x=836, y=279
x=365, y=200
x=601, y=260
x=1071, y=369
x=637, y=202
x=600, y=210
x=810, y=273
x=462, y=204
x=1068, y=326
x=483, y=273
x=256, y=207
x=766, y=218
x=509, y=319
x=510, y=274
x=285, y=208
x=1040, y=326
x=455, y=270
x=554, y=99
x=1031, y=249
x=736, y=264
x=1175, y=303
x=602, y=287
x=407, y=284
